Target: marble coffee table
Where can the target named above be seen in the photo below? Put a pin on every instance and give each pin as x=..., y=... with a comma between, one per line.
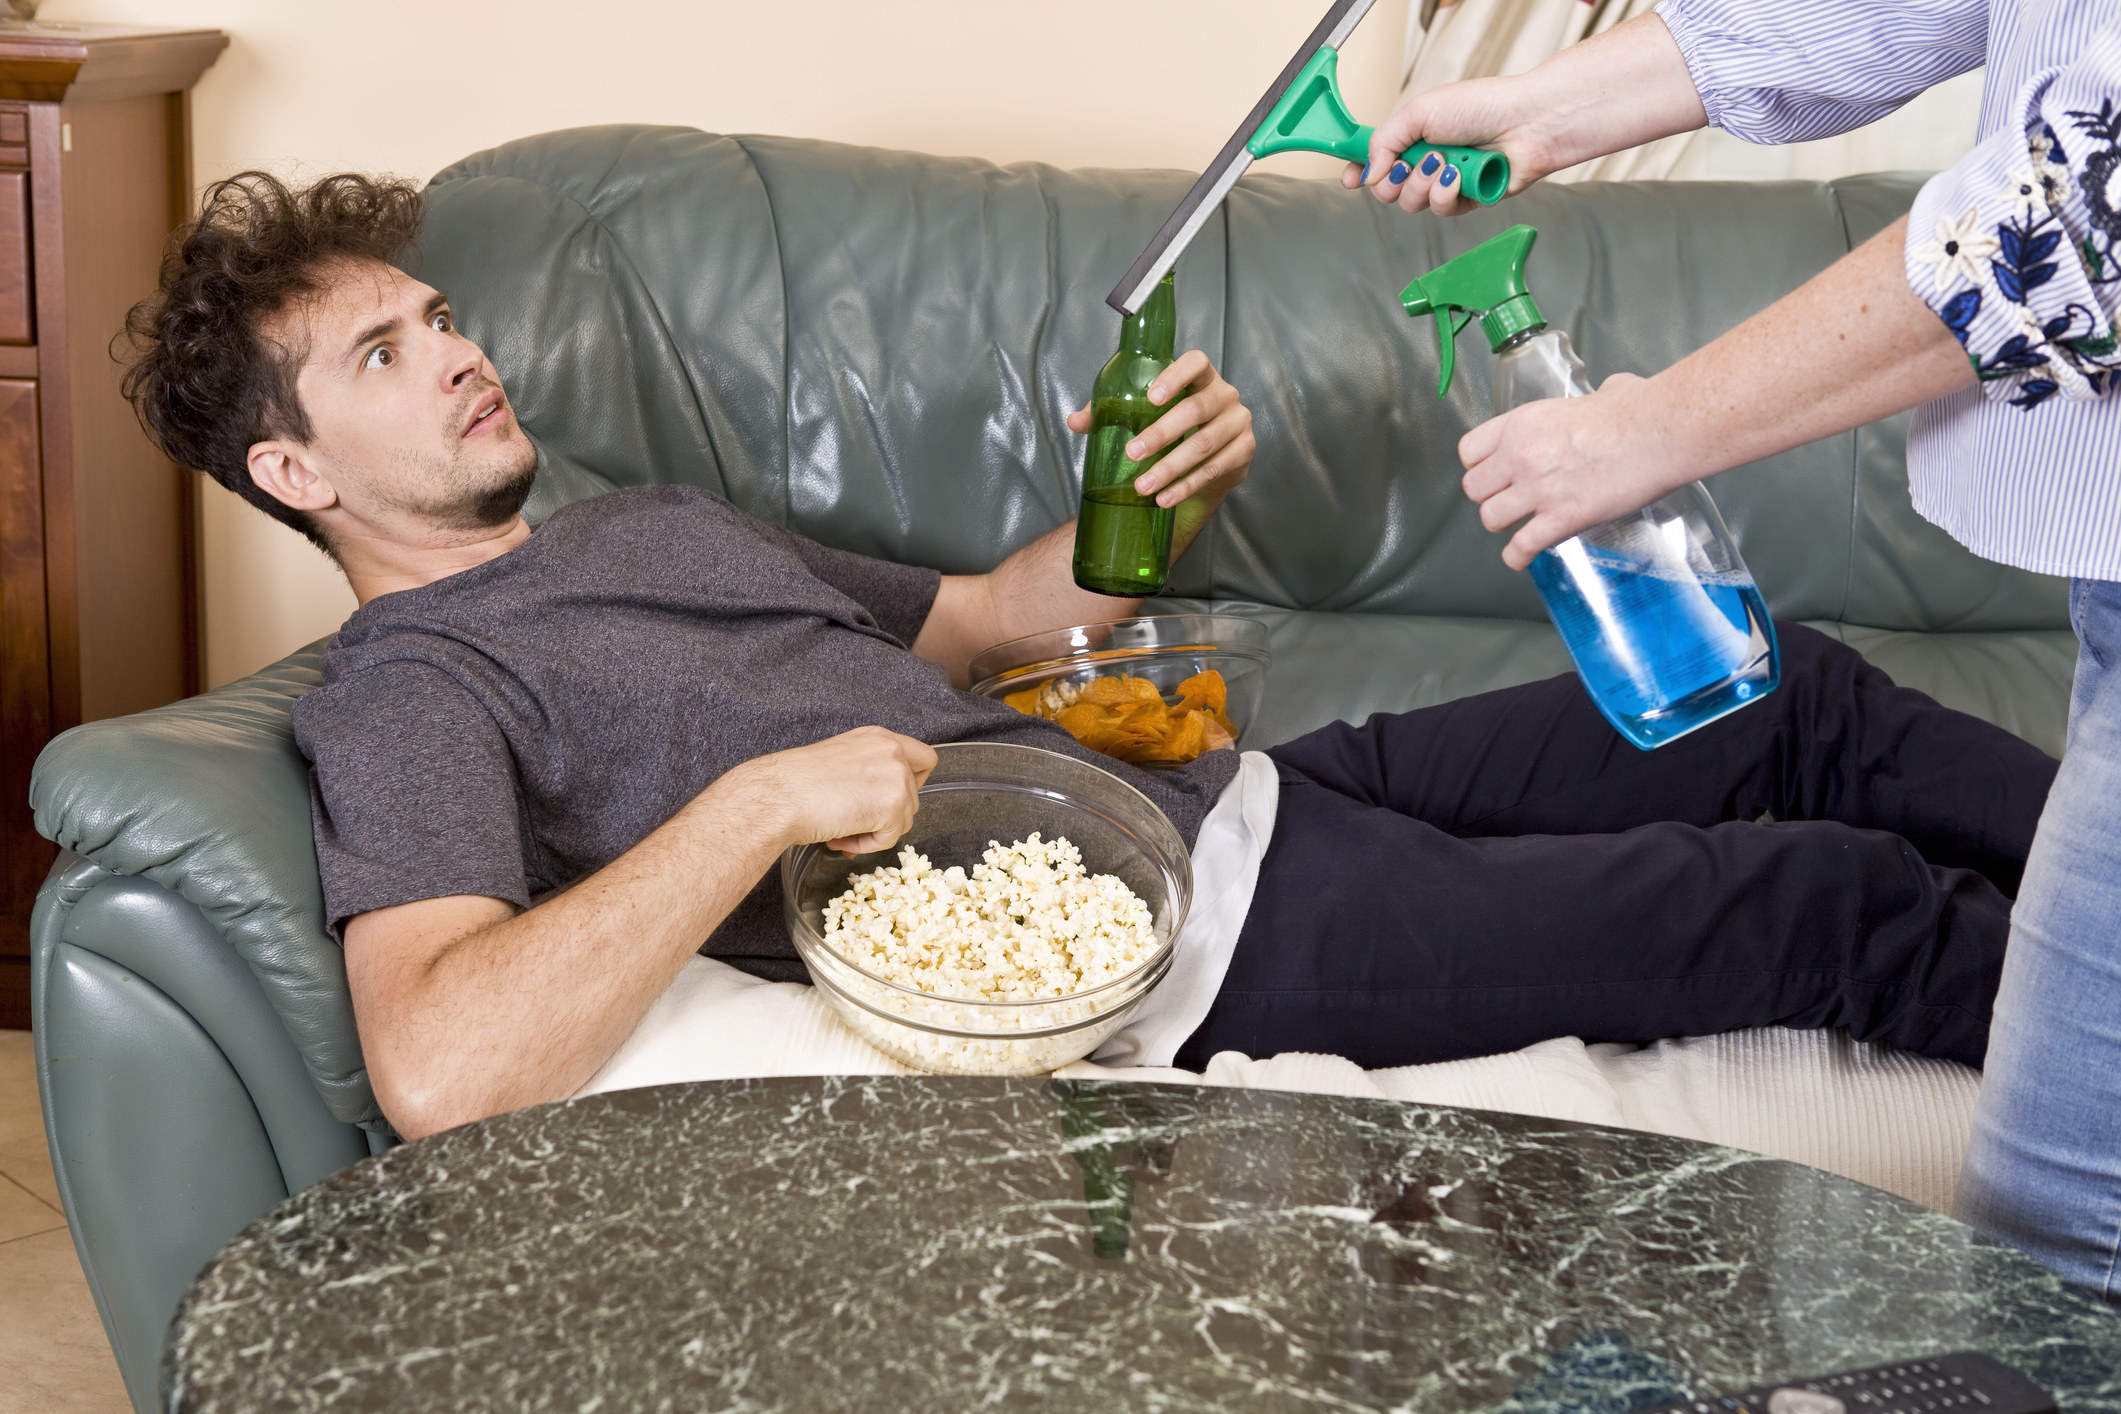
x=887, y=1244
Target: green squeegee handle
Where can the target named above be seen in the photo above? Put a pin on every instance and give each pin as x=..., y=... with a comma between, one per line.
x=1312, y=117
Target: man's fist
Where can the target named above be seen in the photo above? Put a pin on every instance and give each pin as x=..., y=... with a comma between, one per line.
x=856, y=792
x=1214, y=455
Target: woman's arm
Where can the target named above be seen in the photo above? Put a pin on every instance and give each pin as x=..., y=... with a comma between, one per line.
x=1614, y=91
x=2007, y=273
x=1850, y=346
x=1768, y=73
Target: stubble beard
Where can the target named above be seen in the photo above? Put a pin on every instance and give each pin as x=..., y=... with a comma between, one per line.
x=493, y=505
x=470, y=497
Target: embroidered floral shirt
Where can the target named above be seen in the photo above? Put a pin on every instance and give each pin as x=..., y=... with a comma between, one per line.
x=2017, y=247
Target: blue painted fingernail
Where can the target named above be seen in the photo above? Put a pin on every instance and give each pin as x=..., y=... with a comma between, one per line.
x=1365, y=171
x=1428, y=165
x=1450, y=175
x=1398, y=172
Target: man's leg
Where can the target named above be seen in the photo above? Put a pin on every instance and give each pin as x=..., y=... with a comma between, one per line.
x=1382, y=938
x=2043, y=1172
x=1838, y=740
x=1502, y=869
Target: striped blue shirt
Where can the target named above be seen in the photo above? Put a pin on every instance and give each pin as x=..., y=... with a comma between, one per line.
x=2017, y=247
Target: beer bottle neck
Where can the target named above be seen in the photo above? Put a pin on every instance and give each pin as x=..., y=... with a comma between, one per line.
x=1152, y=329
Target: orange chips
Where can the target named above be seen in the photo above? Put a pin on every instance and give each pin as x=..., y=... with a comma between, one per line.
x=1127, y=717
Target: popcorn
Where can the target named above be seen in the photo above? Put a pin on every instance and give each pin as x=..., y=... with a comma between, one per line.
x=1027, y=923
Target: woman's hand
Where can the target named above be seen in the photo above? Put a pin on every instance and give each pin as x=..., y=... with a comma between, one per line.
x=1213, y=429
x=1563, y=465
x=1627, y=86
x=1499, y=114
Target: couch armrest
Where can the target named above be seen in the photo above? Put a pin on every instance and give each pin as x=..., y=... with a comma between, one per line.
x=209, y=798
x=177, y=1109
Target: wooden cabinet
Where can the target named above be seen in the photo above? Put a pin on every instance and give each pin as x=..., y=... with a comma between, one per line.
x=98, y=580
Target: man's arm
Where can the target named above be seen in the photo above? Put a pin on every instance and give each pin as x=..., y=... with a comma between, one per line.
x=1851, y=345
x=1035, y=590
x=468, y=1007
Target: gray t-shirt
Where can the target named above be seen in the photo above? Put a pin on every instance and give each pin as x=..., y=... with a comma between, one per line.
x=518, y=725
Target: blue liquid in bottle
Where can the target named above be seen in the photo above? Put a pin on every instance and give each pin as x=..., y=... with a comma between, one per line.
x=1659, y=613
x=1661, y=649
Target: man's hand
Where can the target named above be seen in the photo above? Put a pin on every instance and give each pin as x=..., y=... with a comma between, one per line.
x=1627, y=86
x=856, y=792
x=1207, y=465
x=1035, y=590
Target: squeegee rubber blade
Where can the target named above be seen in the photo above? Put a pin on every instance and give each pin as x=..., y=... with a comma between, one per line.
x=1177, y=233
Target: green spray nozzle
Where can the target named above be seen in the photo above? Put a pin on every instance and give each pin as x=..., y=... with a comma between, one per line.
x=1487, y=280
x=1313, y=117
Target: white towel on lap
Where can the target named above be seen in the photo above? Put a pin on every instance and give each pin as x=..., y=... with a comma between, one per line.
x=1882, y=1117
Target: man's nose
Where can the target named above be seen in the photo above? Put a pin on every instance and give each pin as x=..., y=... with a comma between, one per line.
x=462, y=369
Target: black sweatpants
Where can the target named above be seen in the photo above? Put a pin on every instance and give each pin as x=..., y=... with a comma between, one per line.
x=1477, y=876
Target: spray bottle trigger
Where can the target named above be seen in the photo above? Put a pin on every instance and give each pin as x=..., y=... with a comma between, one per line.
x=1455, y=321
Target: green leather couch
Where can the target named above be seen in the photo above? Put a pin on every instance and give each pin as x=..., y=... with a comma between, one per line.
x=878, y=349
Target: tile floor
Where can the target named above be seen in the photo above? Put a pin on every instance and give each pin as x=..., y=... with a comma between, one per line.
x=52, y=1353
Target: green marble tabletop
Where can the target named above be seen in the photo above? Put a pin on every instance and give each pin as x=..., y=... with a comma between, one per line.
x=885, y=1244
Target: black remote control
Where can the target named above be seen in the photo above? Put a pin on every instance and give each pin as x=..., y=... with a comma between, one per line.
x=1932, y=1384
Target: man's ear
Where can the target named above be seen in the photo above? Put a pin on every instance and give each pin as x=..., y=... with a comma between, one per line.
x=282, y=470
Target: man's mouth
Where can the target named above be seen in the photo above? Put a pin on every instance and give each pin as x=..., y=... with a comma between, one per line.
x=485, y=412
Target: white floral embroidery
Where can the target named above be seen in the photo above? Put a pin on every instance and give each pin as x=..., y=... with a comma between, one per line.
x=2027, y=197
x=2054, y=180
x=1959, y=250
x=2035, y=336
x=2038, y=188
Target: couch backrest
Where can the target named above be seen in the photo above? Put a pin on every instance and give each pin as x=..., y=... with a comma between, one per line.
x=878, y=349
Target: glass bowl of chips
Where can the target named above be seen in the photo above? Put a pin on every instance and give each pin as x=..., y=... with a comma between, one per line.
x=1156, y=690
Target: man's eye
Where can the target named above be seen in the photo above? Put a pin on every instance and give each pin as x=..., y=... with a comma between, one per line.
x=379, y=357
x=442, y=322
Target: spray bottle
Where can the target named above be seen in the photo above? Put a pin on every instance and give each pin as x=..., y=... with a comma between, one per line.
x=1660, y=615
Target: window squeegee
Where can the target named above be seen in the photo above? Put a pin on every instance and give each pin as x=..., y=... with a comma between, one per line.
x=1302, y=112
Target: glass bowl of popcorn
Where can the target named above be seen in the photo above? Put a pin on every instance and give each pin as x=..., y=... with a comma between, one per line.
x=1104, y=671
x=1014, y=928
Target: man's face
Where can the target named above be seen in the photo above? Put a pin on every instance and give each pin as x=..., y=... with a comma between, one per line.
x=408, y=421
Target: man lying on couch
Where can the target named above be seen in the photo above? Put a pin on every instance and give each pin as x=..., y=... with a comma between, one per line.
x=548, y=765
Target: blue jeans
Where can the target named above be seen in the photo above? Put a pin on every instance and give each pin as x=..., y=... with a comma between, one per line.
x=2044, y=1170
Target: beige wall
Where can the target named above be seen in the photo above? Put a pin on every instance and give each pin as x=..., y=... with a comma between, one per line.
x=408, y=86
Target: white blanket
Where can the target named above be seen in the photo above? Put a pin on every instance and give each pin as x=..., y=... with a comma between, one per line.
x=1881, y=1117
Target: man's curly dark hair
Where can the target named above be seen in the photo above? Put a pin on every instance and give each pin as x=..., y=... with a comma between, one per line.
x=206, y=380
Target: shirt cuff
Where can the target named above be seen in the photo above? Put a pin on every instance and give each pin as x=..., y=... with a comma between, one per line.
x=1991, y=249
x=1697, y=49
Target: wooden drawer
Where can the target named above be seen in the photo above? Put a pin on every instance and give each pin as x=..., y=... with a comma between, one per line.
x=17, y=326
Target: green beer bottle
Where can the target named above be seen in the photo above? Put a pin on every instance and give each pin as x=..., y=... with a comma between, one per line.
x=1123, y=541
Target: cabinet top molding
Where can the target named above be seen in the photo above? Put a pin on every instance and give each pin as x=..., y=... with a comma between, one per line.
x=85, y=63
